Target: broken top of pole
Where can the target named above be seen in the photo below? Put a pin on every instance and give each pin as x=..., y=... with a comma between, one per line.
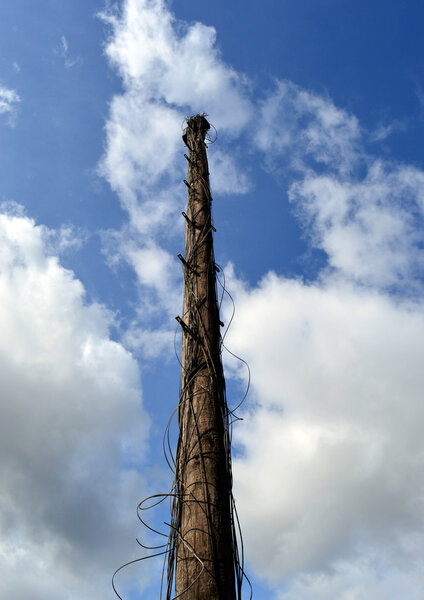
x=199, y=125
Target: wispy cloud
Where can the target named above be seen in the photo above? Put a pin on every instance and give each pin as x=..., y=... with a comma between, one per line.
x=62, y=50
x=384, y=130
x=8, y=100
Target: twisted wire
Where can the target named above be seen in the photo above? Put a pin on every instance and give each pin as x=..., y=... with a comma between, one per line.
x=176, y=463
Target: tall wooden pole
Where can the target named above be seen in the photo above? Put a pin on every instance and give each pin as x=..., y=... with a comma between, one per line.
x=203, y=527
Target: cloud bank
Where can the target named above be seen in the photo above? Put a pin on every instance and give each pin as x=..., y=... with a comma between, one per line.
x=329, y=482
x=72, y=427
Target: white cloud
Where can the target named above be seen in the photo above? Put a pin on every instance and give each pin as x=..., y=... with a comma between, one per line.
x=370, y=228
x=150, y=343
x=159, y=272
x=328, y=485
x=143, y=139
x=383, y=131
x=298, y=125
x=8, y=99
x=169, y=70
x=72, y=428
x=366, y=213
x=357, y=582
x=62, y=50
x=228, y=175
x=169, y=61
x=332, y=453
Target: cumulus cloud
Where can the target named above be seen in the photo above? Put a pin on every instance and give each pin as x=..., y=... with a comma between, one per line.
x=365, y=212
x=179, y=63
x=142, y=143
x=72, y=427
x=328, y=483
x=332, y=453
x=169, y=70
x=371, y=229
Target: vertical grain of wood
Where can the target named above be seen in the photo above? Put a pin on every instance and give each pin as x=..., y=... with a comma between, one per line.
x=204, y=545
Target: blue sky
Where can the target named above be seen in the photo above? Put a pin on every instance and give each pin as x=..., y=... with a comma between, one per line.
x=317, y=177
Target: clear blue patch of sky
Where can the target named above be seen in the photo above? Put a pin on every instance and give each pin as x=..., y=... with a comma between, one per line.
x=368, y=56
x=50, y=157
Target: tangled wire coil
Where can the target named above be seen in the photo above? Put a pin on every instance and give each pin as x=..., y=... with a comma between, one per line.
x=204, y=420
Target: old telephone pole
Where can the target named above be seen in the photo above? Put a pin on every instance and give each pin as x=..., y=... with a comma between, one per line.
x=203, y=547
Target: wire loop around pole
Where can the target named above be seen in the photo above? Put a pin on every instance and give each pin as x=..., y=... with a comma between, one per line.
x=199, y=380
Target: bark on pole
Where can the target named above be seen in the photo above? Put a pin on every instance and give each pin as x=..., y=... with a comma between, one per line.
x=202, y=523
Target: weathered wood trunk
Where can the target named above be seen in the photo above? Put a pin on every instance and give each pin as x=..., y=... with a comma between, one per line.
x=203, y=520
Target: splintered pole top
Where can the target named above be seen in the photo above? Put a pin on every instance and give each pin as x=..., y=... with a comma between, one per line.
x=198, y=124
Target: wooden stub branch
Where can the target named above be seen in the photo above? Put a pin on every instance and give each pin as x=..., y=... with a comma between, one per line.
x=202, y=521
